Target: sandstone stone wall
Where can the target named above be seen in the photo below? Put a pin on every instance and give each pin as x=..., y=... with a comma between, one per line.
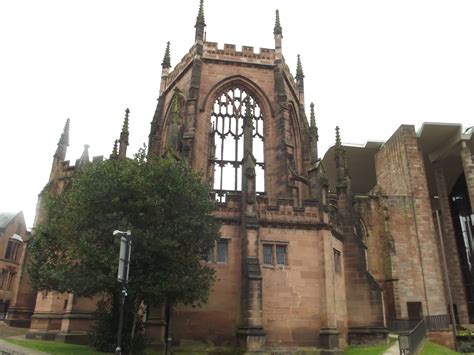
x=401, y=175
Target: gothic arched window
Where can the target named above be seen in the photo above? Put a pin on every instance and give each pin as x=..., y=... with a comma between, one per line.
x=227, y=141
x=176, y=115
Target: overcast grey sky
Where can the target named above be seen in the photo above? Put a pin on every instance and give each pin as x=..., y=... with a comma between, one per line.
x=370, y=66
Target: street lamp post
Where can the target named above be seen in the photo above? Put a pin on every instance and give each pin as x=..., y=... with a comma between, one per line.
x=122, y=277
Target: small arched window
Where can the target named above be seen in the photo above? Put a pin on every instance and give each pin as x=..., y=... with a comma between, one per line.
x=227, y=141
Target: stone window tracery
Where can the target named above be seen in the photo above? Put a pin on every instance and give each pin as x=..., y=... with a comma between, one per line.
x=227, y=141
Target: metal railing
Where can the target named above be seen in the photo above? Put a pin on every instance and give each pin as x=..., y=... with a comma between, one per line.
x=411, y=340
x=438, y=322
x=401, y=325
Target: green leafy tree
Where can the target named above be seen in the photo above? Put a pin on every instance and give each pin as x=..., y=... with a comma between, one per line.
x=166, y=206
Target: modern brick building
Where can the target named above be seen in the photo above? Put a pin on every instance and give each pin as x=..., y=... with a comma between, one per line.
x=313, y=252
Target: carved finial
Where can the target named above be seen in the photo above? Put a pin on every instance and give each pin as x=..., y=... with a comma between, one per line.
x=124, y=137
x=299, y=72
x=277, y=30
x=341, y=161
x=312, y=116
x=64, y=139
x=313, y=130
x=124, y=133
x=167, y=58
x=114, y=154
x=338, y=138
x=200, y=17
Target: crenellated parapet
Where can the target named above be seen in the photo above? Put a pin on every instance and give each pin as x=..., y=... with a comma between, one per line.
x=67, y=170
x=265, y=56
x=181, y=67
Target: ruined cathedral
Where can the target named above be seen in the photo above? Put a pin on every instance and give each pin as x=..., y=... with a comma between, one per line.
x=315, y=251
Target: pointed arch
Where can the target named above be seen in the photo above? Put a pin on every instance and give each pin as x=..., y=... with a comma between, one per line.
x=241, y=81
x=225, y=106
x=175, y=114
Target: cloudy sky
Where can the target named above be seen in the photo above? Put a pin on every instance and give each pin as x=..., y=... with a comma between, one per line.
x=370, y=66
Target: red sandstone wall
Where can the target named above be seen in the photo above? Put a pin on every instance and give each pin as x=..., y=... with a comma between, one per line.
x=291, y=294
x=400, y=173
x=380, y=261
x=217, y=320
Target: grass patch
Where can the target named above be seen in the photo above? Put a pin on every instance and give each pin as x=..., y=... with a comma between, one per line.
x=431, y=348
x=369, y=350
x=53, y=347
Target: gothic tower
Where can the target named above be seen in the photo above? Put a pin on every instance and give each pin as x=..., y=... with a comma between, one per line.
x=288, y=257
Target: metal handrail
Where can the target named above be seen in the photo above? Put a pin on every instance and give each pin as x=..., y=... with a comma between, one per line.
x=411, y=340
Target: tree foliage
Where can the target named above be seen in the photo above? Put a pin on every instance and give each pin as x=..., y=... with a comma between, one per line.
x=165, y=205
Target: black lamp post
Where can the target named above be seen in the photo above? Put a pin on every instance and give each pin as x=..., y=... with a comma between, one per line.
x=122, y=277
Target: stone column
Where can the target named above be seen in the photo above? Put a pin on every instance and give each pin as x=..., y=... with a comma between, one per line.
x=155, y=326
x=77, y=319
x=450, y=246
x=250, y=334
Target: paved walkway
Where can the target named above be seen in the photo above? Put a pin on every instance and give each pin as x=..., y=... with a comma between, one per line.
x=393, y=350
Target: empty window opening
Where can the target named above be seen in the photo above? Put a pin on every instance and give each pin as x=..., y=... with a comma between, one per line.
x=227, y=142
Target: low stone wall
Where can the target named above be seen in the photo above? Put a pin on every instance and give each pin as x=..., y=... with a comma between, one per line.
x=369, y=336
x=442, y=337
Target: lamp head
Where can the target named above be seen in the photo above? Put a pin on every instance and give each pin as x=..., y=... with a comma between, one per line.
x=119, y=232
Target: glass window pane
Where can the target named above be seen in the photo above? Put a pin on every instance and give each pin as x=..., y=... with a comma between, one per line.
x=267, y=254
x=209, y=255
x=222, y=251
x=281, y=254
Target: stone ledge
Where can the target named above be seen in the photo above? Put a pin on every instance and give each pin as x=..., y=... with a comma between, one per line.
x=81, y=338
x=41, y=334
